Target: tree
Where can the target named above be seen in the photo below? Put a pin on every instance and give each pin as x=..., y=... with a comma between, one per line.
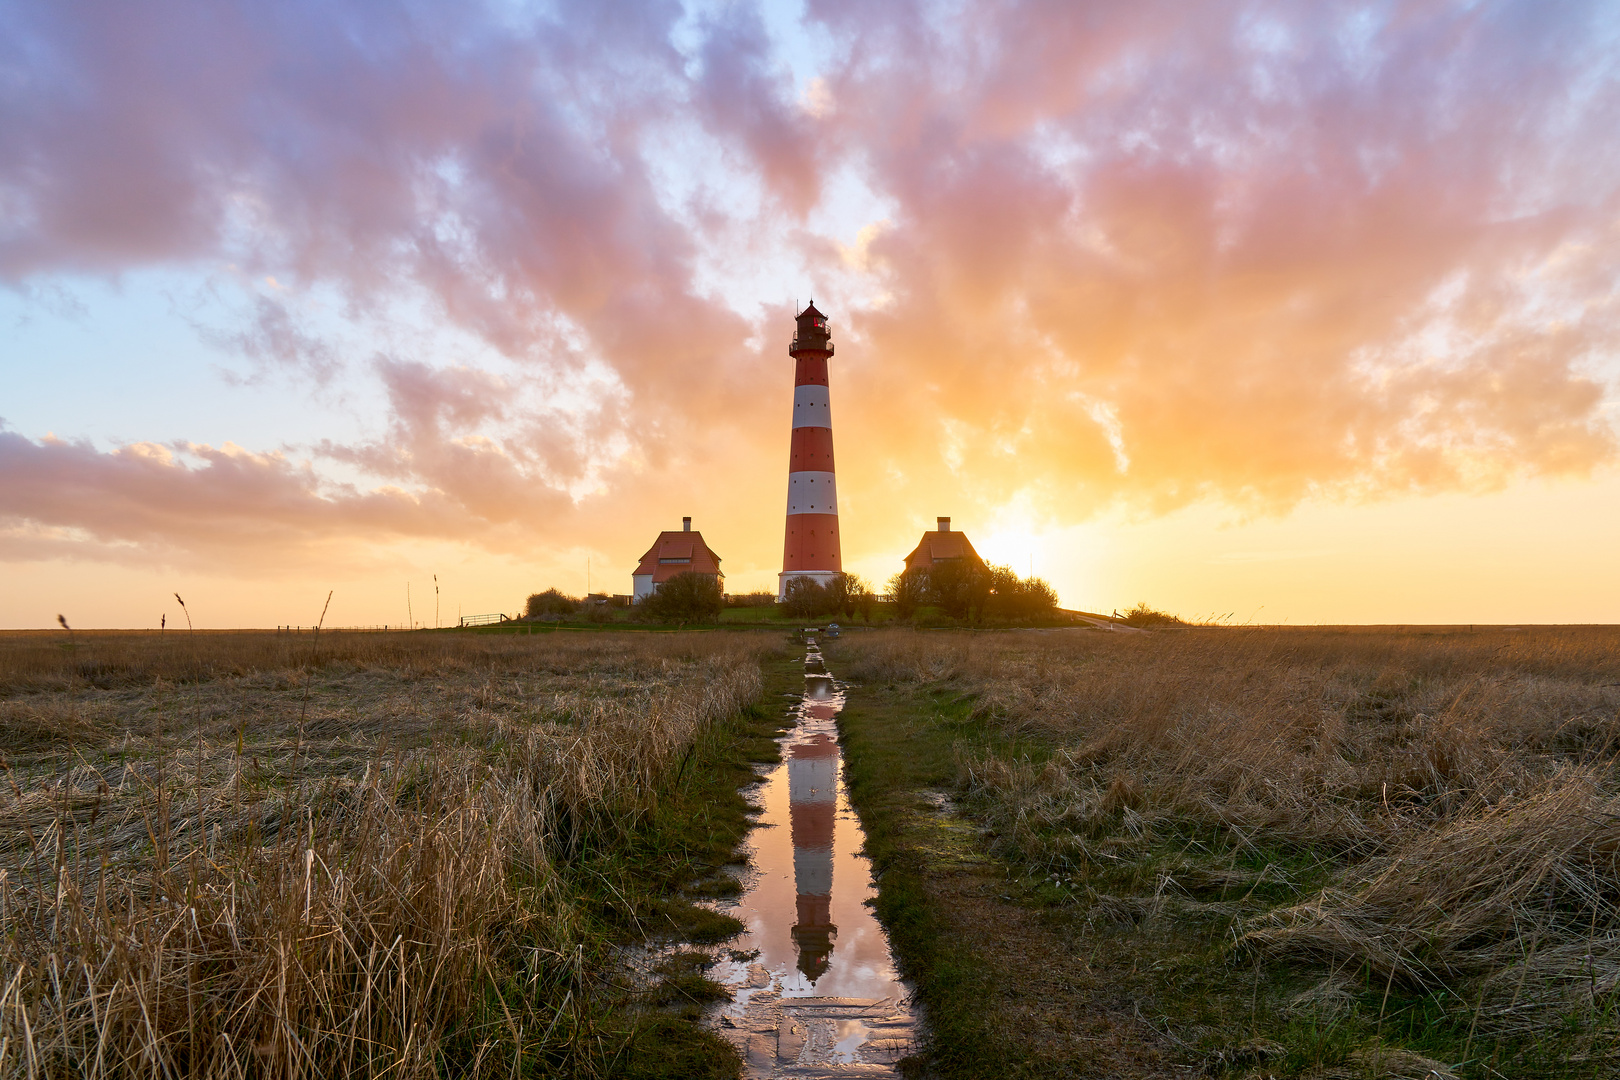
x=804, y=598
x=959, y=586
x=1040, y=599
x=834, y=594
x=854, y=595
x=684, y=598
x=907, y=591
x=550, y=602
x=1019, y=599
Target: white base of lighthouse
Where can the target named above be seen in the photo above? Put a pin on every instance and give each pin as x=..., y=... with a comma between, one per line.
x=820, y=577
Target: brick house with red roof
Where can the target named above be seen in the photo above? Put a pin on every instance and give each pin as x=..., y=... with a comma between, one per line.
x=942, y=545
x=682, y=552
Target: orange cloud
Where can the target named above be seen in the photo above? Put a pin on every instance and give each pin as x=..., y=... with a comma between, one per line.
x=1156, y=257
x=1129, y=256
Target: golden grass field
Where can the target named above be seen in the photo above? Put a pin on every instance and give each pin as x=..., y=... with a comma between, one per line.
x=247, y=854
x=1297, y=848
x=1262, y=852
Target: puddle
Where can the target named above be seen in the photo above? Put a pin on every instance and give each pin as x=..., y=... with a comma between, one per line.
x=821, y=997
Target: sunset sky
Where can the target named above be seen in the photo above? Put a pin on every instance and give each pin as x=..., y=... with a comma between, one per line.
x=1287, y=312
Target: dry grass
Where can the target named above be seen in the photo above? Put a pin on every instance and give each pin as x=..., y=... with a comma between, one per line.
x=1418, y=813
x=218, y=858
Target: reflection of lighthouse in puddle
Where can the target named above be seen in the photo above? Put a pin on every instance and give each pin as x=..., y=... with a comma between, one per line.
x=812, y=805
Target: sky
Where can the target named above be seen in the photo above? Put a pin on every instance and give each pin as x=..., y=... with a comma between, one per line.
x=1261, y=311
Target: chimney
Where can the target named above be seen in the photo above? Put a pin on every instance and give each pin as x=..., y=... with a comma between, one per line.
x=944, y=524
x=686, y=524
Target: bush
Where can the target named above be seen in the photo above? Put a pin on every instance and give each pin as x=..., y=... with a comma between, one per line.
x=857, y=596
x=973, y=591
x=1143, y=616
x=960, y=587
x=550, y=602
x=1019, y=599
x=597, y=610
x=907, y=591
x=684, y=598
x=805, y=598
x=753, y=599
x=844, y=594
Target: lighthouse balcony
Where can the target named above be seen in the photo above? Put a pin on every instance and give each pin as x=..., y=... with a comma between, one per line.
x=811, y=344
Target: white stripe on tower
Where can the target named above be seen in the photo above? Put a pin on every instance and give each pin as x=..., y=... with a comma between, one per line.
x=812, y=493
x=811, y=545
x=812, y=407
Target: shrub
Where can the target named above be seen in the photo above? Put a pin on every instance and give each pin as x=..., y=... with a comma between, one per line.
x=844, y=594
x=1143, y=616
x=969, y=590
x=753, y=599
x=857, y=596
x=550, y=602
x=959, y=586
x=597, y=610
x=1019, y=599
x=907, y=591
x=805, y=598
x=836, y=592
x=684, y=598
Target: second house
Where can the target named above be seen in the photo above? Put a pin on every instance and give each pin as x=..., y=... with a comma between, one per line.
x=682, y=552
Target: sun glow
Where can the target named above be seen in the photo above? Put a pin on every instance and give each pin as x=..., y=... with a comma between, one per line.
x=1068, y=558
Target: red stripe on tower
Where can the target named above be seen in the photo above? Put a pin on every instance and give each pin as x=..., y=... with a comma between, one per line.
x=811, y=548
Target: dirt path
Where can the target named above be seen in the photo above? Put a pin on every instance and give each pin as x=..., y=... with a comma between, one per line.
x=1007, y=991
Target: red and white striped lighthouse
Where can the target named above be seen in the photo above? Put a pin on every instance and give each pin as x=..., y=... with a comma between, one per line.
x=811, y=548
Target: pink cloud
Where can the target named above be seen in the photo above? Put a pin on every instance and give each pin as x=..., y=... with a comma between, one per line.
x=1143, y=254
x=222, y=497
x=1228, y=226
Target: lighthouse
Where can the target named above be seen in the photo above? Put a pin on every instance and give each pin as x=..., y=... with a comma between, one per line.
x=811, y=547
x=812, y=811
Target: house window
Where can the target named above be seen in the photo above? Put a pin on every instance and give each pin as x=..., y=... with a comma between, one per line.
x=666, y=562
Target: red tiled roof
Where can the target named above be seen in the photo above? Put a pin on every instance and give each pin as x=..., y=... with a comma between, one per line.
x=939, y=546
x=677, y=544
